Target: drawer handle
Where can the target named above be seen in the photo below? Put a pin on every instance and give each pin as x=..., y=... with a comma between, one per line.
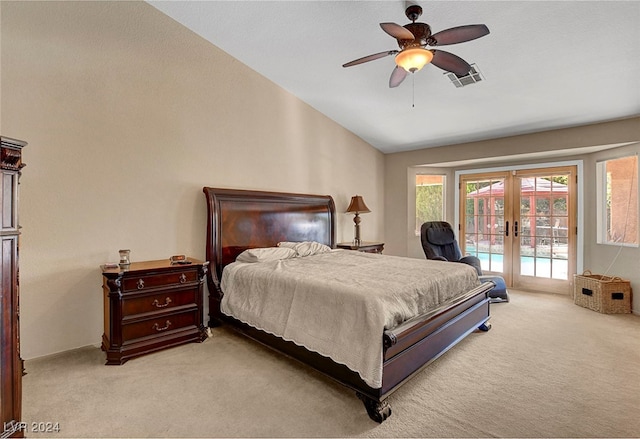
x=183, y=278
x=164, y=328
x=157, y=304
x=140, y=284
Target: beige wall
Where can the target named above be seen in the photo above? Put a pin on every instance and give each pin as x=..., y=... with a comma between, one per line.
x=555, y=146
x=128, y=115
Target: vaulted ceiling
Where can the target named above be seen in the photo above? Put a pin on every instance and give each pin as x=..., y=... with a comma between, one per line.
x=545, y=64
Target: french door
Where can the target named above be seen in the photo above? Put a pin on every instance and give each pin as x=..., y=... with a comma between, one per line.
x=522, y=225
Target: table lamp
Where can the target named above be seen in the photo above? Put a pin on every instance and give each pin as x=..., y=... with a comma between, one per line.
x=357, y=206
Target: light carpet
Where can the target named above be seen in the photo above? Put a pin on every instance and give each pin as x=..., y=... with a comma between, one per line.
x=547, y=368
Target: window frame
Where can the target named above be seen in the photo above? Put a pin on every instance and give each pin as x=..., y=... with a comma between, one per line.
x=602, y=188
x=415, y=200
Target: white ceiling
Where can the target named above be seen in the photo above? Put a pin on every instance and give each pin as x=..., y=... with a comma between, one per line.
x=546, y=64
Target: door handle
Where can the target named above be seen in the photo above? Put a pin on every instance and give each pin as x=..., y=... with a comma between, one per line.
x=506, y=229
x=515, y=229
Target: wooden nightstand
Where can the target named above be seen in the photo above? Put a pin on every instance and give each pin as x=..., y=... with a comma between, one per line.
x=150, y=306
x=367, y=247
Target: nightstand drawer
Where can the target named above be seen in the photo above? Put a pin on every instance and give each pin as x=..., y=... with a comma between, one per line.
x=141, y=283
x=160, y=325
x=163, y=301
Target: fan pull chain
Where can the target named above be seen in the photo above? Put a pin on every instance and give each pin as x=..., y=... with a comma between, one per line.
x=413, y=90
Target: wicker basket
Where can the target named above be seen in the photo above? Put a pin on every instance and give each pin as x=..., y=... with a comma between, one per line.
x=605, y=294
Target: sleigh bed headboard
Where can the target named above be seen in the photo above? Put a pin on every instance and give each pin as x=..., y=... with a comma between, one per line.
x=241, y=219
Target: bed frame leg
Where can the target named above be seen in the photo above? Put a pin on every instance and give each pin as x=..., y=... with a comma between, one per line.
x=377, y=410
x=485, y=327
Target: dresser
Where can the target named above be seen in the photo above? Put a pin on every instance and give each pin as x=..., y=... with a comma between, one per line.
x=151, y=305
x=364, y=246
x=11, y=365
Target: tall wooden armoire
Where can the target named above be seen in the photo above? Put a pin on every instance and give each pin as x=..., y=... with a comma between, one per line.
x=10, y=362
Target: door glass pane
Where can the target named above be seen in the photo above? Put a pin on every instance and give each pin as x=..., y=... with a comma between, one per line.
x=543, y=267
x=525, y=205
x=484, y=225
x=560, y=268
x=480, y=206
x=543, y=241
x=560, y=206
x=527, y=266
x=542, y=205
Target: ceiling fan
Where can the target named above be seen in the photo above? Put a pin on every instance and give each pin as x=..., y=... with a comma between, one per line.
x=413, y=38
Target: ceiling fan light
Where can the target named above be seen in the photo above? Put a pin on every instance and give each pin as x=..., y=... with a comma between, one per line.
x=414, y=59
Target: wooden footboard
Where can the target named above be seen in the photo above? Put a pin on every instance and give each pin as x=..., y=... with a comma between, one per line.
x=238, y=220
x=416, y=343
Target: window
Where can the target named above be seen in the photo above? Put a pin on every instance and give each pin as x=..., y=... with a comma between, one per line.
x=618, y=201
x=429, y=199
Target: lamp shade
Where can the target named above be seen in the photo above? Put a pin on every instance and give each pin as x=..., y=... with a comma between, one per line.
x=414, y=59
x=357, y=205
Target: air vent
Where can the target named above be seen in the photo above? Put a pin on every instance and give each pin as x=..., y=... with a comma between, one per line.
x=471, y=78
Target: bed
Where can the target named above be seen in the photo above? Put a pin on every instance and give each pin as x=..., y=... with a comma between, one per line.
x=239, y=220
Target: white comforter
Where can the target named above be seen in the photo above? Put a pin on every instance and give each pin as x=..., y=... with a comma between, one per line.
x=339, y=303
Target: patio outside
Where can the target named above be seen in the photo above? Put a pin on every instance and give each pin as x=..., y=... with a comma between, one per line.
x=542, y=229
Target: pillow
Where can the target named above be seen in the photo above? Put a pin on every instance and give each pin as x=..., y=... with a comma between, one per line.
x=306, y=248
x=266, y=254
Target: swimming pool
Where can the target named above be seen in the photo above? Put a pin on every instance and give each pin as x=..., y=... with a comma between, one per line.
x=529, y=266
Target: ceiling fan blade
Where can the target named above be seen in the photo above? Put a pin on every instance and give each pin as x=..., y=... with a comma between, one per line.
x=370, y=58
x=450, y=62
x=396, y=31
x=460, y=34
x=397, y=76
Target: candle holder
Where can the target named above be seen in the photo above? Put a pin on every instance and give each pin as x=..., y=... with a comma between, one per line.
x=125, y=260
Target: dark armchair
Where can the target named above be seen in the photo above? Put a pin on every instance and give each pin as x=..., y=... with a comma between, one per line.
x=439, y=243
